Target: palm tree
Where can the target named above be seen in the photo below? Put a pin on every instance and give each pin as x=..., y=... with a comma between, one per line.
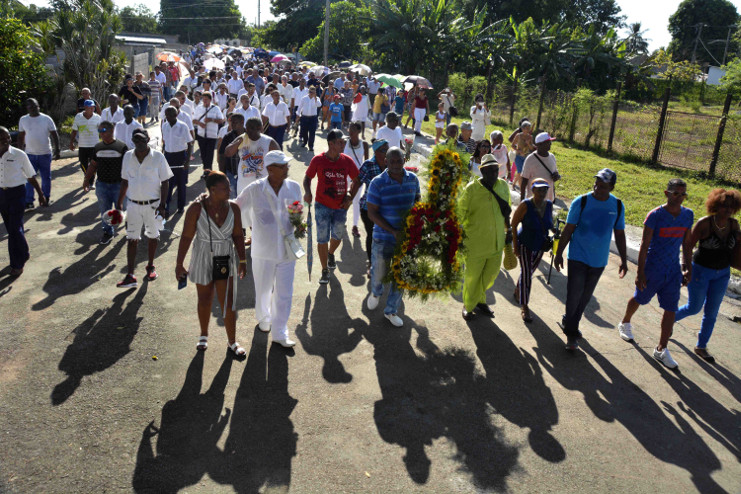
x=635, y=42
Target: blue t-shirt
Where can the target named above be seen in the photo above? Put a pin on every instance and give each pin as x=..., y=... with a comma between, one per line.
x=590, y=242
x=663, y=251
x=393, y=199
x=399, y=104
x=335, y=109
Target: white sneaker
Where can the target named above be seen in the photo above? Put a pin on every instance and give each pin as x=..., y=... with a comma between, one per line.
x=626, y=331
x=287, y=343
x=394, y=319
x=264, y=326
x=665, y=358
x=372, y=301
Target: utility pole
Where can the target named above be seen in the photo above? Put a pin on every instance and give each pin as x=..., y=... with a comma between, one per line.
x=728, y=40
x=697, y=39
x=326, y=34
x=258, y=13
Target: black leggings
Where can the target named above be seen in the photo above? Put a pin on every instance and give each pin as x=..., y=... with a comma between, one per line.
x=207, y=147
x=368, y=224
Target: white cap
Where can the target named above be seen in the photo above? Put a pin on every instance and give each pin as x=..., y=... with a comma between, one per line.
x=275, y=158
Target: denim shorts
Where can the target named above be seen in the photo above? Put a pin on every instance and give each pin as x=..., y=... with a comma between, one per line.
x=665, y=286
x=142, y=110
x=329, y=222
x=519, y=162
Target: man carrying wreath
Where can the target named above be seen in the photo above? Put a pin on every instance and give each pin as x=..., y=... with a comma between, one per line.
x=390, y=195
x=484, y=209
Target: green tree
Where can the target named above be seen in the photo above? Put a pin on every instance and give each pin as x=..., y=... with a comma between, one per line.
x=138, y=19
x=635, y=43
x=196, y=22
x=715, y=17
x=23, y=68
x=731, y=81
x=349, y=28
x=297, y=24
x=26, y=14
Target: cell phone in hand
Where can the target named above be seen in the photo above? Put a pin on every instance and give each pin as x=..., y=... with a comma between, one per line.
x=183, y=282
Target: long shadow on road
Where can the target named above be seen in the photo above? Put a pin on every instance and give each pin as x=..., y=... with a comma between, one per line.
x=612, y=397
x=437, y=394
x=261, y=443
x=99, y=342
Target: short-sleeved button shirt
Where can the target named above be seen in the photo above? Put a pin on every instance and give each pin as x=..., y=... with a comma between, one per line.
x=668, y=234
x=109, y=158
x=145, y=178
x=393, y=199
x=15, y=168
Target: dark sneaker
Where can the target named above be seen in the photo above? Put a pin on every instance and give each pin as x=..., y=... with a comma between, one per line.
x=29, y=205
x=325, y=277
x=331, y=264
x=128, y=282
x=151, y=273
x=106, y=238
x=571, y=344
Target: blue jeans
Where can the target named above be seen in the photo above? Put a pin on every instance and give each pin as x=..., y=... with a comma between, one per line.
x=329, y=222
x=707, y=287
x=42, y=164
x=107, y=197
x=232, y=184
x=381, y=254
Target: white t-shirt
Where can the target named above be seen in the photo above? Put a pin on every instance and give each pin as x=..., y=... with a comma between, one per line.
x=393, y=137
x=251, y=154
x=114, y=117
x=37, y=133
x=87, y=130
x=500, y=153
x=532, y=169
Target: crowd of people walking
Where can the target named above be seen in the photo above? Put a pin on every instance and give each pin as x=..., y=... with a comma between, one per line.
x=241, y=118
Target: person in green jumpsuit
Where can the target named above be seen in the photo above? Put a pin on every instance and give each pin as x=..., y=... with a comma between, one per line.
x=486, y=223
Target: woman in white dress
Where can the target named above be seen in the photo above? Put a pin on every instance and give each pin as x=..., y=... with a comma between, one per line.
x=480, y=118
x=360, y=107
x=214, y=226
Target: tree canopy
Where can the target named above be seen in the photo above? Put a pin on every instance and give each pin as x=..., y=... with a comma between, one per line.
x=138, y=19
x=349, y=27
x=204, y=21
x=716, y=18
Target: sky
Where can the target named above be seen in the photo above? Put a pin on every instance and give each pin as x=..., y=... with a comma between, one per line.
x=652, y=14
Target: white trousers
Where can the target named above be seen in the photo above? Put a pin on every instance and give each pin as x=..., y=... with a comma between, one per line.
x=419, y=116
x=356, y=203
x=273, y=294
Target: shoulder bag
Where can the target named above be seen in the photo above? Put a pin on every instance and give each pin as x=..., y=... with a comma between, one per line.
x=220, y=270
x=452, y=110
x=554, y=175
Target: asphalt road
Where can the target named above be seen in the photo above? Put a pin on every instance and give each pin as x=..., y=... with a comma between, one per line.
x=439, y=405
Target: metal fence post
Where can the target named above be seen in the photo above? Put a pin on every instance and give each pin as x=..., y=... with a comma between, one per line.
x=614, y=117
x=719, y=138
x=540, y=105
x=662, y=121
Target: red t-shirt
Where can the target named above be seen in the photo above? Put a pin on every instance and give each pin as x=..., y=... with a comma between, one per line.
x=420, y=102
x=331, y=187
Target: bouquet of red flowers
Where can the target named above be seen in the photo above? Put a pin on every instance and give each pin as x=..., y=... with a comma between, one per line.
x=113, y=217
x=296, y=216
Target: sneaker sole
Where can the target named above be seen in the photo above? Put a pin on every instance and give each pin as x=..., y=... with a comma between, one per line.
x=129, y=285
x=624, y=337
x=664, y=364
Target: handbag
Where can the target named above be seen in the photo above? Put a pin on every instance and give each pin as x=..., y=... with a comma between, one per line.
x=220, y=269
x=509, y=261
x=452, y=110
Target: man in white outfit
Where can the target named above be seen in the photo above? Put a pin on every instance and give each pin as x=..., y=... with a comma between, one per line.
x=264, y=203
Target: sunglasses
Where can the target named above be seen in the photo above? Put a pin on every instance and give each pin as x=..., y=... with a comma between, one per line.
x=675, y=194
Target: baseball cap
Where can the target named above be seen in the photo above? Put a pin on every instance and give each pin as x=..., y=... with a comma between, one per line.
x=140, y=132
x=379, y=143
x=275, y=158
x=538, y=183
x=488, y=160
x=606, y=175
x=543, y=137
x=88, y=102
x=466, y=126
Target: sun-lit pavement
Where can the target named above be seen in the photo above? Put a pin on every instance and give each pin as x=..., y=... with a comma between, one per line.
x=102, y=389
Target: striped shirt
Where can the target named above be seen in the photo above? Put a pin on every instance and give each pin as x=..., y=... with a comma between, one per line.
x=368, y=171
x=393, y=199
